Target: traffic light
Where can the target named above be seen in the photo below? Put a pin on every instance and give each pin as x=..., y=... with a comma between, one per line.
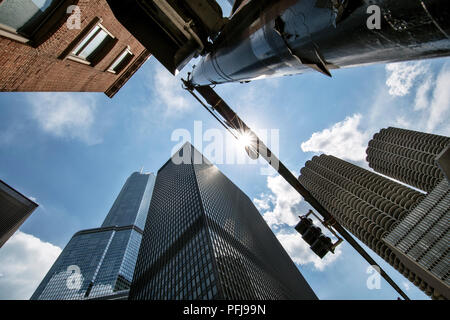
x=303, y=225
x=318, y=242
x=322, y=246
x=312, y=234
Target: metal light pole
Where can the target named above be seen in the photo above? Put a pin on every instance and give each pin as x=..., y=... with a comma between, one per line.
x=233, y=123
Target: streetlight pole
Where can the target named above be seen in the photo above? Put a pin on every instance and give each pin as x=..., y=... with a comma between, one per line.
x=233, y=123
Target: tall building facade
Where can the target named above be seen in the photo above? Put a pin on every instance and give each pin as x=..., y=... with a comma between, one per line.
x=407, y=228
x=204, y=239
x=366, y=204
x=99, y=263
x=407, y=156
x=15, y=208
x=421, y=240
x=65, y=45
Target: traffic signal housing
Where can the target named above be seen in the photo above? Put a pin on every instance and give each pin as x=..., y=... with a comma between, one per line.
x=313, y=236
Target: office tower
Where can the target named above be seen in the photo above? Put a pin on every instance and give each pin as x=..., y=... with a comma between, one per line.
x=405, y=227
x=204, y=239
x=65, y=45
x=99, y=263
x=15, y=208
x=421, y=240
x=407, y=156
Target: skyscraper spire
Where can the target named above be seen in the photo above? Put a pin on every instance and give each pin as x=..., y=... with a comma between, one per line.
x=100, y=262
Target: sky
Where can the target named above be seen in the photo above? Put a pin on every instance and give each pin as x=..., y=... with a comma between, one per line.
x=72, y=152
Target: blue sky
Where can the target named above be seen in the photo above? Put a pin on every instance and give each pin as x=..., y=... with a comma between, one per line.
x=72, y=152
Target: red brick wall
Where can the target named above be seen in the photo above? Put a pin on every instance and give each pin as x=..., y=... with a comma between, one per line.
x=24, y=68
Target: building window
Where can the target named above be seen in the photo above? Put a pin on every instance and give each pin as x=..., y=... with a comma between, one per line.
x=20, y=19
x=121, y=61
x=94, y=46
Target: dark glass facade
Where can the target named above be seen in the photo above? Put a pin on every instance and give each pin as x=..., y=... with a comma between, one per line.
x=132, y=203
x=204, y=239
x=100, y=262
x=15, y=208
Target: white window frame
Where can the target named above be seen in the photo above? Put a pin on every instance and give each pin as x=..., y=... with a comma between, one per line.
x=8, y=32
x=75, y=57
x=126, y=50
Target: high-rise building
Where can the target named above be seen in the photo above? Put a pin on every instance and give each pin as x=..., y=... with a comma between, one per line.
x=15, y=208
x=407, y=156
x=204, y=239
x=99, y=263
x=65, y=45
x=421, y=240
x=365, y=203
x=407, y=228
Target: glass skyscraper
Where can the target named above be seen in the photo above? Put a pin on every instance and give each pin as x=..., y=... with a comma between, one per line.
x=100, y=262
x=204, y=239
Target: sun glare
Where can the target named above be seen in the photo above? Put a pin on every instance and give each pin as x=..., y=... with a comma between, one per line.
x=245, y=139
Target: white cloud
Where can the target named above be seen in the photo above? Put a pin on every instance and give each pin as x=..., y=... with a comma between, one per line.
x=301, y=254
x=422, y=93
x=402, y=122
x=263, y=203
x=427, y=110
x=65, y=115
x=439, y=113
x=169, y=92
x=406, y=285
x=344, y=140
x=401, y=76
x=283, y=199
x=25, y=260
x=280, y=208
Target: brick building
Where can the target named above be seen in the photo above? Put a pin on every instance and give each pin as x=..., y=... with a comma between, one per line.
x=43, y=49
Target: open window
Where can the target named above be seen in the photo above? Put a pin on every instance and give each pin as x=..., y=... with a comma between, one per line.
x=23, y=20
x=94, y=46
x=121, y=61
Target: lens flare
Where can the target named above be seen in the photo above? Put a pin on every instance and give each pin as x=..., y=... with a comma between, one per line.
x=245, y=139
